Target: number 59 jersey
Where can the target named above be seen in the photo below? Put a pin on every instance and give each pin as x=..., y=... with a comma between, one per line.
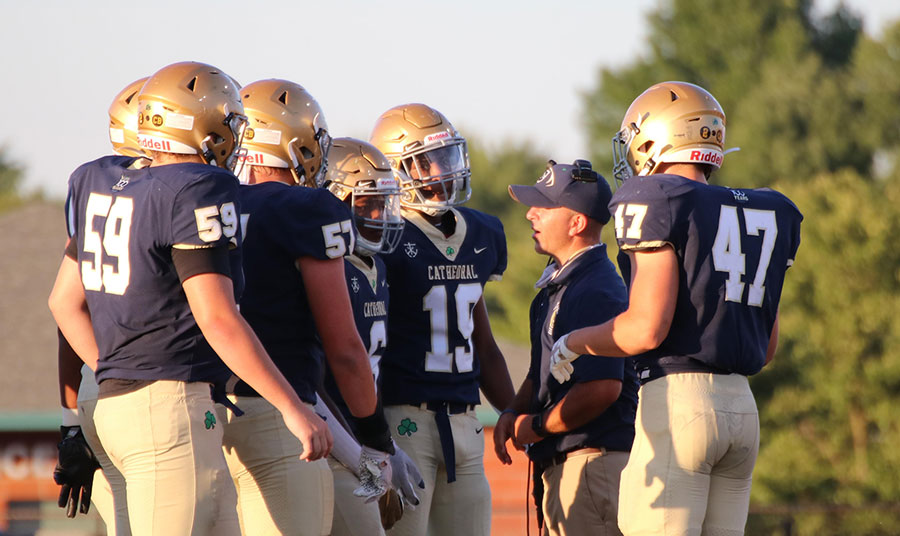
x=734, y=247
x=125, y=224
x=435, y=282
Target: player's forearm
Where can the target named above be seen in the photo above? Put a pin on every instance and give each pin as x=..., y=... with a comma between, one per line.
x=522, y=400
x=346, y=449
x=496, y=383
x=69, y=373
x=354, y=379
x=69, y=308
x=622, y=336
x=583, y=403
x=651, y=308
x=239, y=348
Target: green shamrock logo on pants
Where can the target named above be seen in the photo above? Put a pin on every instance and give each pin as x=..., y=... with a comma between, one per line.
x=407, y=427
x=210, y=421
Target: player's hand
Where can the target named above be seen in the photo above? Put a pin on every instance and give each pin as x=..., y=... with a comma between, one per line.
x=405, y=477
x=561, y=360
x=391, y=508
x=374, y=474
x=311, y=430
x=75, y=471
x=503, y=431
x=524, y=434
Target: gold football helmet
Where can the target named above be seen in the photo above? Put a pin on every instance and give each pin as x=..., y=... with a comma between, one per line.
x=360, y=175
x=123, y=120
x=429, y=156
x=670, y=122
x=192, y=108
x=286, y=129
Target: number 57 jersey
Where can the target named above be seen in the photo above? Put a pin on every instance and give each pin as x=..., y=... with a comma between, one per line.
x=435, y=282
x=125, y=224
x=734, y=247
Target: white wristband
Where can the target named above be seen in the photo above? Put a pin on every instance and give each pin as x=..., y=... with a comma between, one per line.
x=70, y=417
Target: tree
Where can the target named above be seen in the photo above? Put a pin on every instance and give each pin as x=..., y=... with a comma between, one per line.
x=10, y=180
x=493, y=170
x=815, y=106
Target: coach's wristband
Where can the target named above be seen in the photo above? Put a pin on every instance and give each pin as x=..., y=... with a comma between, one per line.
x=373, y=431
x=510, y=411
x=70, y=417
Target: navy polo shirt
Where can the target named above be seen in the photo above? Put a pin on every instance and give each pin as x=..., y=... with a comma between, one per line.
x=586, y=291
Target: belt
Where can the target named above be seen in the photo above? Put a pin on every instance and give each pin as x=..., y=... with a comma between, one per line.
x=451, y=408
x=563, y=456
x=442, y=412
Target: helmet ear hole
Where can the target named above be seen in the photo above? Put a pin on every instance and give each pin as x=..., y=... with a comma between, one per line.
x=307, y=154
x=673, y=95
x=192, y=84
x=645, y=147
x=283, y=98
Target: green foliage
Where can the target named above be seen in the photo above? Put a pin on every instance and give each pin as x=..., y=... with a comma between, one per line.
x=493, y=170
x=815, y=107
x=10, y=180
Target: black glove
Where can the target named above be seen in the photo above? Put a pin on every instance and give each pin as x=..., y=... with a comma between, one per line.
x=75, y=471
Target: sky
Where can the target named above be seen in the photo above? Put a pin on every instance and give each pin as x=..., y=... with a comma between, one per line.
x=500, y=70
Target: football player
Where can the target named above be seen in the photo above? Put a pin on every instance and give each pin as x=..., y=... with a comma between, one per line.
x=440, y=347
x=78, y=387
x=297, y=302
x=706, y=266
x=360, y=176
x=145, y=293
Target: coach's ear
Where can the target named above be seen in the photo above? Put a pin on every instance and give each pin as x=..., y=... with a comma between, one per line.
x=391, y=508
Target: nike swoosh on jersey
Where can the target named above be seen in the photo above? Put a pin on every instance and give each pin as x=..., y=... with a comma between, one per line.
x=479, y=430
x=479, y=250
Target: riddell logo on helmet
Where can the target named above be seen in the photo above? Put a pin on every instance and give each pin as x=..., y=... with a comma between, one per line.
x=711, y=157
x=252, y=158
x=155, y=145
x=437, y=136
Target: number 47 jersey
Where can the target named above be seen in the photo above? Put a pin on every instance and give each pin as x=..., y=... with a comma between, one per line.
x=734, y=247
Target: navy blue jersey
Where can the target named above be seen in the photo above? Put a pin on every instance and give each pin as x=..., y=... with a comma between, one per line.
x=284, y=223
x=369, y=299
x=585, y=292
x=734, y=247
x=126, y=222
x=435, y=283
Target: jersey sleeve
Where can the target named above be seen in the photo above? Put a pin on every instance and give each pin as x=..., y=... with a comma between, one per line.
x=643, y=214
x=205, y=213
x=500, y=241
x=795, y=217
x=313, y=223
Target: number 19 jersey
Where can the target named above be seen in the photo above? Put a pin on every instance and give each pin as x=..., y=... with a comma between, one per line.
x=734, y=247
x=435, y=282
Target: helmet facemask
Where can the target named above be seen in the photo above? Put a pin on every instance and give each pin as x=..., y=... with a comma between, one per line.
x=435, y=177
x=376, y=214
x=214, y=145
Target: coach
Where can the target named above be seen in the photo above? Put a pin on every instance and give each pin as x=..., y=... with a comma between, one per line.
x=578, y=433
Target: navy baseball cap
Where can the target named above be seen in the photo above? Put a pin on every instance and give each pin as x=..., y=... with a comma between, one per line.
x=575, y=186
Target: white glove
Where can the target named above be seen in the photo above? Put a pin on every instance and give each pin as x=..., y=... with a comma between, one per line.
x=561, y=360
x=345, y=449
x=406, y=476
x=374, y=474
